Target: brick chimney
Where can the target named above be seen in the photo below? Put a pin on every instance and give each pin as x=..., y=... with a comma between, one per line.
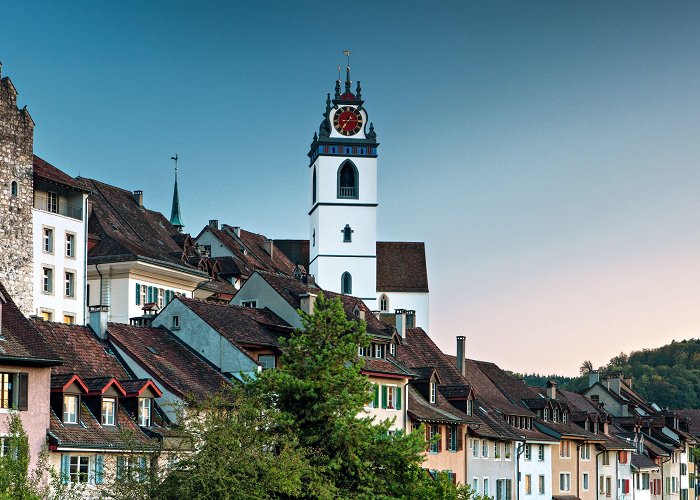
x=461, y=342
x=308, y=301
x=98, y=320
x=138, y=197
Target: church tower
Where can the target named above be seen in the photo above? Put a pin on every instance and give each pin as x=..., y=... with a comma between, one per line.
x=343, y=199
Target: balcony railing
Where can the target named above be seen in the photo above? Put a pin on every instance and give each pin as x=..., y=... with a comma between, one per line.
x=58, y=207
x=348, y=192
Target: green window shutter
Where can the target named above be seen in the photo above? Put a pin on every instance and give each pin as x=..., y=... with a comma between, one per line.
x=65, y=468
x=383, y=396
x=398, y=398
x=23, y=396
x=138, y=294
x=120, y=468
x=99, y=469
x=375, y=389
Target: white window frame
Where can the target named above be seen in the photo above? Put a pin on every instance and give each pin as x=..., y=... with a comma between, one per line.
x=71, y=417
x=564, y=480
x=72, y=476
x=540, y=453
x=541, y=484
x=585, y=481
x=175, y=322
x=47, y=280
x=528, y=451
x=486, y=487
x=433, y=392
x=267, y=356
x=484, y=449
x=70, y=245
x=144, y=407
x=528, y=484
x=48, y=239
x=391, y=397
x=69, y=284
x=109, y=418
x=249, y=303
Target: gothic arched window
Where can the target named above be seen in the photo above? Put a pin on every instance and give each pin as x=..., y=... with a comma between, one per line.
x=347, y=234
x=313, y=187
x=383, y=303
x=348, y=181
x=346, y=283
x=14, y=188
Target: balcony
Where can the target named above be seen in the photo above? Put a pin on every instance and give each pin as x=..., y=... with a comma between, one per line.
x=347, y=192
x=56, y=205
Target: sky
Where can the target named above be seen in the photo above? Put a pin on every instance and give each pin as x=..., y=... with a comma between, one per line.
x=547, y=153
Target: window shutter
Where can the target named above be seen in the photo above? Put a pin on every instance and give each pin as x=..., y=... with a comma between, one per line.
x=398, y=398
x=65, y=468
x=460, y=438
x=120, y=468
x=383, y=396
x=439, y=443
x=375, y=389
x=23, y=397
x=625, y=485
x=138, y=294
x=99, y=469
x=508, y=488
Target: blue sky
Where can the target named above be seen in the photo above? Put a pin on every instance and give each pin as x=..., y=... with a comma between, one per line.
x=546, y=152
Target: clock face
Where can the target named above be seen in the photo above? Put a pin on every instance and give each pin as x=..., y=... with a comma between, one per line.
x=347, y=120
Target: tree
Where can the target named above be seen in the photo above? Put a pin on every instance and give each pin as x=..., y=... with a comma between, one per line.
x=586, y=368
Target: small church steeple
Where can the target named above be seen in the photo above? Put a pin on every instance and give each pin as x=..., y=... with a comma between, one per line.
x=175, y=218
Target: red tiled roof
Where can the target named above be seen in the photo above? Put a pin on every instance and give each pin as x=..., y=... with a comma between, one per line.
x=173, y=364
x=44, y=171
x=126, y=231
x=388, y=366
x=694, y=416
x=20, y=342
x=441, y=411
x=85, y=355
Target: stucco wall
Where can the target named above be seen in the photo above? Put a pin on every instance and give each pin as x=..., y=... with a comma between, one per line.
x=256, y=288
x=417, y=301
x=536, y=468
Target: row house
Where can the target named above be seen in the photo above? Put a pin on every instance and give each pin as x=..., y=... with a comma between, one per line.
x=59, y=229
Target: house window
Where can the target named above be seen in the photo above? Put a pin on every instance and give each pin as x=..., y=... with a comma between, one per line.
x=144, y=412
x=347, y=234
x=645, y=480
x=14, y=187
x=267, y=361
x=528, y=452
x=475, y=485
x=497, y=450
x=7, y=390
x=434, y=443
x=108, y=409
x=391, y=397
x=584, y=481
x=392, y=349
x=452, y=438
x=486, y=487
x=564, y=481
x=475, y=448
x=540, y=453
x=69, y=319
x=176, y=322
x=470, y=407
x=52, y=202
x=506, y=447
x=485, y=449
x=348, y=181
x=313, y=238
x=565, y=449
x=541, y=485
x=528, y=484
x=433, y=392
x=346, y=283
x=79, y=466
x=46, y=315
x=313, y=187
x=383, y=303
x=70, y=284
x=70, y=408
x=585, y=452
x=249, y=303
x=47, y=284
x=70, y=245
x=546, y=414
x=48, y=240
x=606, y=458
x=378, y=350
x=622, y=457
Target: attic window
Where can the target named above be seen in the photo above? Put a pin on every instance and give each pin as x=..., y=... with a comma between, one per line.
x=176, y=323
x=433, y=392
x=70, y=408
x=152, y=350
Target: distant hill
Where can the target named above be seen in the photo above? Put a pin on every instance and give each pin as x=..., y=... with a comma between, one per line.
x=668, y=376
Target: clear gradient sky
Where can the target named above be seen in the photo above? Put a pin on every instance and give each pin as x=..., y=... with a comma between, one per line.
x=546, y=152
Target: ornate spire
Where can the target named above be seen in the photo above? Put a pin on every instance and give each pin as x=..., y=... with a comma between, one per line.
x=371, y=134
x=337, y=88
x=175, y=218
x=348, y=83
x=325, y=129
x=358, y=90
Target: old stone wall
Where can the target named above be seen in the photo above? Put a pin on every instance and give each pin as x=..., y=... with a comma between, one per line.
x=16, y=149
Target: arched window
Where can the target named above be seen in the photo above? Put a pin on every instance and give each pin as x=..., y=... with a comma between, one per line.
x=348, y=181
x=346, y=283
x=313, y=188
x=383, y=303
x=347, y=234
x=15, y=188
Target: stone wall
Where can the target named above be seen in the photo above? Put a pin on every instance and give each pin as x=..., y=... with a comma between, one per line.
x=16, y=150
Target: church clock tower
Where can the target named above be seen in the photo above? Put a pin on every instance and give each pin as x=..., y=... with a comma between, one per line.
x=343, y=200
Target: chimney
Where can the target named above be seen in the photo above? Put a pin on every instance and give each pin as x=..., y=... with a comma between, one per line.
x=310, y=280
x=138, y=197
x=361, y=314
x=461, y=341
x=237, y=231
x=401, y=322
x=214, y=223
x=552, y=389
x=308, y=300
x=613, y=383
x=98, y=320
x=628, y=381
x=410, y=318
x=593, y=378
x=268, y=246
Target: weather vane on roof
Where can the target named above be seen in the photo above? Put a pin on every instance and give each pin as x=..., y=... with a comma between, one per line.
x=347, y=53
x=176, y=157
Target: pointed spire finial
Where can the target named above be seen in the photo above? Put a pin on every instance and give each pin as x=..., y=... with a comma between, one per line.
x=358, y=91
x=348, y=83
x=175, y=217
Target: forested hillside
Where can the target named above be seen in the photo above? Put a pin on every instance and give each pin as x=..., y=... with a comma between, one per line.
x=668, y=375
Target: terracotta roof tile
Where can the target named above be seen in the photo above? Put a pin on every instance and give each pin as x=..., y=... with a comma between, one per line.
x=20, y=342
x=173, y=365
x=44, y=171
x=442, y=411
x=389, y=366
x=643, y=462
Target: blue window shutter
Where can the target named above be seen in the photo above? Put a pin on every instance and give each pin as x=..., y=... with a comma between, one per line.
x=65, y=468
x=99, y=469
x=138, y=294
x=398, y=398
x=383, y=396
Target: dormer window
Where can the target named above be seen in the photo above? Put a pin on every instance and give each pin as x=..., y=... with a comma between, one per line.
x=546, y=414
x=470, y=407
x=565, y=418
x=392, y=349
x=433, y=392
x=555, y=415
x=378, y=350
x=70, y=408
x=145, y=412
x=109, y=406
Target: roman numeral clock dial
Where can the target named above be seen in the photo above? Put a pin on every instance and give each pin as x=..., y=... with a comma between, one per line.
x=347, y=120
